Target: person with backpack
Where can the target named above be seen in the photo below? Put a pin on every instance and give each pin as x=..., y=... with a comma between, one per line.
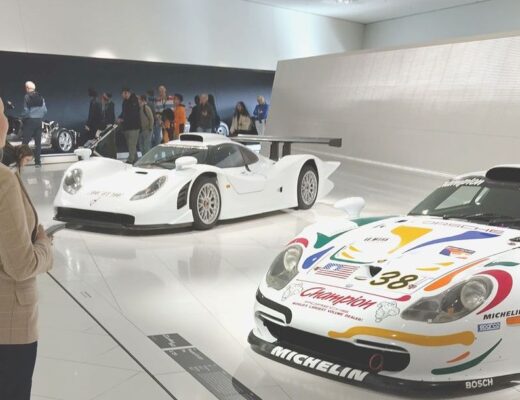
x=34, y=110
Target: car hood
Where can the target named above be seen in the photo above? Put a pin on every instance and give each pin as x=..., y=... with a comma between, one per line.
x=399, y=256
x=123, y=183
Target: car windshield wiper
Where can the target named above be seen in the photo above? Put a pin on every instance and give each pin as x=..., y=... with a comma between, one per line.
x=505, y=221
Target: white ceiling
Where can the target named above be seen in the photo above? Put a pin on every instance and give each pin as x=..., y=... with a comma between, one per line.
x=366, y=11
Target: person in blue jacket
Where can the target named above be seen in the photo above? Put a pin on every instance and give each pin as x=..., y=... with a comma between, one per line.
x=260, y=114
x=34, y=110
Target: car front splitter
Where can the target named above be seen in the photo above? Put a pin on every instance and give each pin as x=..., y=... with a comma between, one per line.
x=313, y=362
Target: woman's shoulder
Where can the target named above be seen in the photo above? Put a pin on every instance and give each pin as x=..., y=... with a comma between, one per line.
x=6, y=176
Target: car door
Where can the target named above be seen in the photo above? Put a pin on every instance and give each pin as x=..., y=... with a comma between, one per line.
x=242, y=175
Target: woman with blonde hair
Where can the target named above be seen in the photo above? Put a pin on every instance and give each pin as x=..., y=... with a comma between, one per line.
x=25, y=252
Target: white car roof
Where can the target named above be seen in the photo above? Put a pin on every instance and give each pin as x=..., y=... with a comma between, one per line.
x=200, y=139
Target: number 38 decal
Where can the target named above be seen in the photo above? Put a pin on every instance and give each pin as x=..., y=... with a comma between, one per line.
x=394, y=280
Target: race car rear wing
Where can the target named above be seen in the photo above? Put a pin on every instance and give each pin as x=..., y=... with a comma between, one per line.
x=274, y=153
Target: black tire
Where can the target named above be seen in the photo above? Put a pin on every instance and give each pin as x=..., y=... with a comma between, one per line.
x=205, y=203
x=307, y=189
x=62, y=141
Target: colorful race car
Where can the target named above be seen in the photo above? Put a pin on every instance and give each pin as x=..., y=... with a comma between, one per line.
x=427, y=301
x=196, y=180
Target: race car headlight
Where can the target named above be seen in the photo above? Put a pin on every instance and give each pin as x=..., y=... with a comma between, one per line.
x=150, y=190
x=451, y=305
x=284, y=267
x=72, y=181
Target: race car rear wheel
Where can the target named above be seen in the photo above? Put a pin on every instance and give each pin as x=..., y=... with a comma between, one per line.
x=205, y=203
x=307, y=187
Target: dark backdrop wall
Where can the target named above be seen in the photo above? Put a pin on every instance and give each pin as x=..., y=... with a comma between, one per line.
x=64, y=81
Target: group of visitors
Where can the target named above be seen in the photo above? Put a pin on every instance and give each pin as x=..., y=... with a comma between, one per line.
x=148, y=120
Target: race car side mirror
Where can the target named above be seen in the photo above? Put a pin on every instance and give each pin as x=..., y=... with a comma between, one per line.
x=83, y=154
x=185, y=162
x=351, y=205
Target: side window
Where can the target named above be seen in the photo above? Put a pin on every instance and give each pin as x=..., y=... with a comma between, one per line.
x=249, y=156
x=228, y=156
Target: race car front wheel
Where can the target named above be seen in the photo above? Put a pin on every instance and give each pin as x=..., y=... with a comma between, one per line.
x=205, y=203
x=307, y=187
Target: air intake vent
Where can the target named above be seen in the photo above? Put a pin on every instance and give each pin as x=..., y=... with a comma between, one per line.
x=190, y=137
x=504, y=174
x=182, y=199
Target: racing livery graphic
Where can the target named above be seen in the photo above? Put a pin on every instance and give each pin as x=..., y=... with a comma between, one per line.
x=425, y=301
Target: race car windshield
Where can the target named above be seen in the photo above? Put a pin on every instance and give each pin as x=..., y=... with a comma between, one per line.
x=474, y=199
x=165, y=156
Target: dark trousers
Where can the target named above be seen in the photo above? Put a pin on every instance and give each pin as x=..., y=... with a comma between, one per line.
x=32, y=129
x=16, y=370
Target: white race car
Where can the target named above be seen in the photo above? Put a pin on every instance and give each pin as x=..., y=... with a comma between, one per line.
x=421, y=303
x=198, y=179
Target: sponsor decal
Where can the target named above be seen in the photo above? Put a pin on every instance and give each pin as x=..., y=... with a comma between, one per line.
x=335, y=270
x=320, y=293
x=462, y=225
x=292, y=290
x=305, y=361
x=464, y=182
x=376, y=239
x=503, y=314
x=479, y=384
x=452, y=251
x=103, y=195
x=493, y=326
x=387, y=309
x=394, y=280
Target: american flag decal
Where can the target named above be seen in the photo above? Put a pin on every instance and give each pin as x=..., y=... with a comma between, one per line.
x=335, y=270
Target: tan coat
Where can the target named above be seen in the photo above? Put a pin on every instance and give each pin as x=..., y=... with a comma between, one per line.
x=21, y=259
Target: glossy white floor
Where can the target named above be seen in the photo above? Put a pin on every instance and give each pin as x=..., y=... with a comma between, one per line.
x=200, y=285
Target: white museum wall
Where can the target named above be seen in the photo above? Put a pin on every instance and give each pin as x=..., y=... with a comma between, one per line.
x=448, y=108
x=485, y=17
x=227, y=33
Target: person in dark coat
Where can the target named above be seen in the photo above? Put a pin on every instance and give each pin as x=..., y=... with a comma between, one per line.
x=216, y=117
x=130, y=121
x=205, y=115
x=95, y=115
x=194, y=115
x=34, y=110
